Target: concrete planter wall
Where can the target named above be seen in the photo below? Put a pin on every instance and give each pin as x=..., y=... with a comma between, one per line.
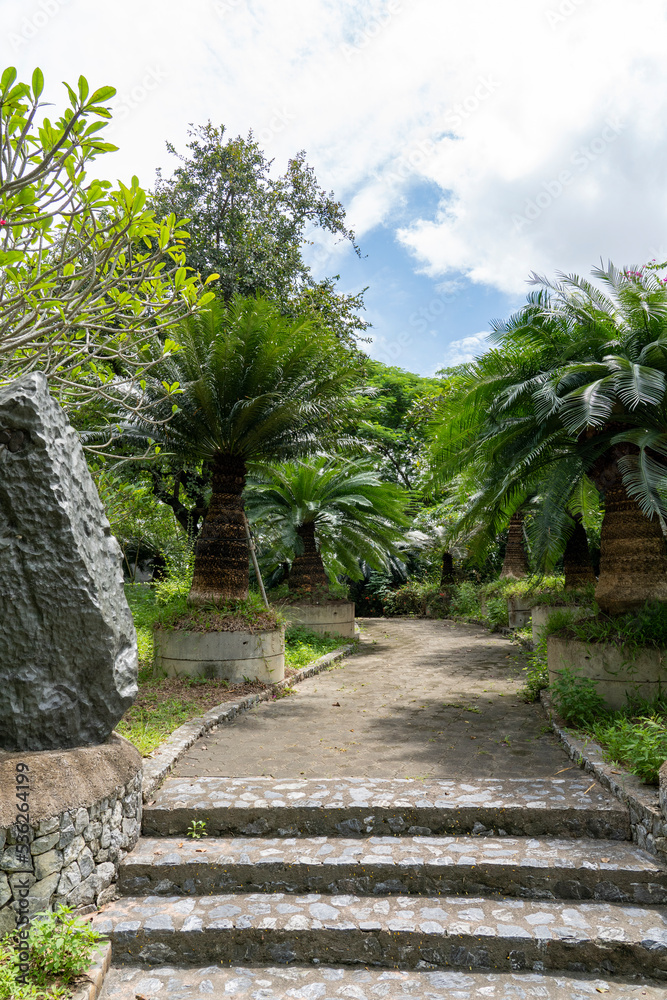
x=334, y=616
x=620, y=671
x=540, y=614
x=518, y=611
x=229, y=656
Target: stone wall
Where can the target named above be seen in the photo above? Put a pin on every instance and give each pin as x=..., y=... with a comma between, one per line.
x=75, y=849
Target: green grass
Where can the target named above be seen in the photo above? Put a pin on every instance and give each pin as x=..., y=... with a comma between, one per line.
x=638, y=742
x=302, y=646
x=149, y=727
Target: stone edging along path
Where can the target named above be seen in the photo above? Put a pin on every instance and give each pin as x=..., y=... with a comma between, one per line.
x=160, y=763
x=96, y=974
x=649, y=826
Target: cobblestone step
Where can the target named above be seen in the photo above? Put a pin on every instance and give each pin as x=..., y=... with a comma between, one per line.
x=326, y=983
x=568, y=806
x=396, y=931
x=526, y=867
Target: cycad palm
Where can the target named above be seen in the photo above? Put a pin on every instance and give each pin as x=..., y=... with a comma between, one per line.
x=255, y=387
x=576, y=395
x=328, y=511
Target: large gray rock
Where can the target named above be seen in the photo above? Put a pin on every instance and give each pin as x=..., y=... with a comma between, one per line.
x=68, y=651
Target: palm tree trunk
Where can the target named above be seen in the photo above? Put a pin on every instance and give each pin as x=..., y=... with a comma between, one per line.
x=308, y=571
x=221, y=552
x=515, y=563
x=576, y=559
x=633, y=561
x=447, y=572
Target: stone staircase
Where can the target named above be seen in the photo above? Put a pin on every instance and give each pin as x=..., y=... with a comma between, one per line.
x=352, y=888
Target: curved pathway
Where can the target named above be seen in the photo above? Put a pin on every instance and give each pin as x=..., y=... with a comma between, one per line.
x=421, y=699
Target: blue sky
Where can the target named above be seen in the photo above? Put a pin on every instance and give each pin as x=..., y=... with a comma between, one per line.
x=418, y=322
x=469, y=143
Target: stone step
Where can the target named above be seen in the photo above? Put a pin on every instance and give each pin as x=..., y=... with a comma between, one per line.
x=395, y=931
x=614, y=871
x=573, y=805
x=327, y=983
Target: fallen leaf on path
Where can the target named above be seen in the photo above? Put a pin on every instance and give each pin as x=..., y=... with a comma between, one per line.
x=473, y=737
x=181, y=844
x=606, y=860
x=158, y=852
x=200, y=850
x=336, y=704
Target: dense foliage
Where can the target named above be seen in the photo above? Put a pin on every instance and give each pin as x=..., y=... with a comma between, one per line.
x=88, y=276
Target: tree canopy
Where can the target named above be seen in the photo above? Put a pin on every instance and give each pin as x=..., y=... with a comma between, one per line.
x=254, y=385
x=573, y=401
x=88, y=276
x=251, y=228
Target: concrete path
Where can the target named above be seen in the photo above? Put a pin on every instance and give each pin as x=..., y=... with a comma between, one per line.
x=421, y=699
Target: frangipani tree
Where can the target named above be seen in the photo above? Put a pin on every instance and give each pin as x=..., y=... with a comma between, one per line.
x=575, y=397
x=328, y=514
x=89, y=280
x=255, y=386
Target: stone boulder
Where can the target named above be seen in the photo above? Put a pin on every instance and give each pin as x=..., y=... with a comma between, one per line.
x=68, y=651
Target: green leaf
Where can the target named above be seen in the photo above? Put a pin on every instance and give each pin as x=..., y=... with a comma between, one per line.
x=84, y=89
x=37, y=82
x=103, y=94
x=7, y=79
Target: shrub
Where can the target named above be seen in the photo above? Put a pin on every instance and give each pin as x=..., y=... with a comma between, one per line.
x=639, y=742
x=465, y=600
x=61, y=948
x=417, y=598
x=496, y=613
x=558, y=597
x=576, y=698
x=645, y=626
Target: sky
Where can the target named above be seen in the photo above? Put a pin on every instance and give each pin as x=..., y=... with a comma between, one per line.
x=471, y=144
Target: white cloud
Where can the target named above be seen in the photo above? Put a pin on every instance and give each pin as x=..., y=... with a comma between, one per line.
x=460, y=351
x=491, y=102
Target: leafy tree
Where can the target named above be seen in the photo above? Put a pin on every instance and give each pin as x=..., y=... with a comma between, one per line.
x=88, y=276
x=255, y=386
x=139, y=522
x=327, y=512
x=393, y=424
x=573, y=403
x=251, y=228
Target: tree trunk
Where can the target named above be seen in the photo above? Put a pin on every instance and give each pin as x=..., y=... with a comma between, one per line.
x=515, y=564
x=447, y=574
x=633, y=562
x=221, y=551
x=576, y=559
x=308, y=571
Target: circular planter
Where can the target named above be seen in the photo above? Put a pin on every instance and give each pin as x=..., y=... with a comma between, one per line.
x=620, y=671
x=518, y=611
x=331, y=616
x=230, y=656
x=541, y=612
